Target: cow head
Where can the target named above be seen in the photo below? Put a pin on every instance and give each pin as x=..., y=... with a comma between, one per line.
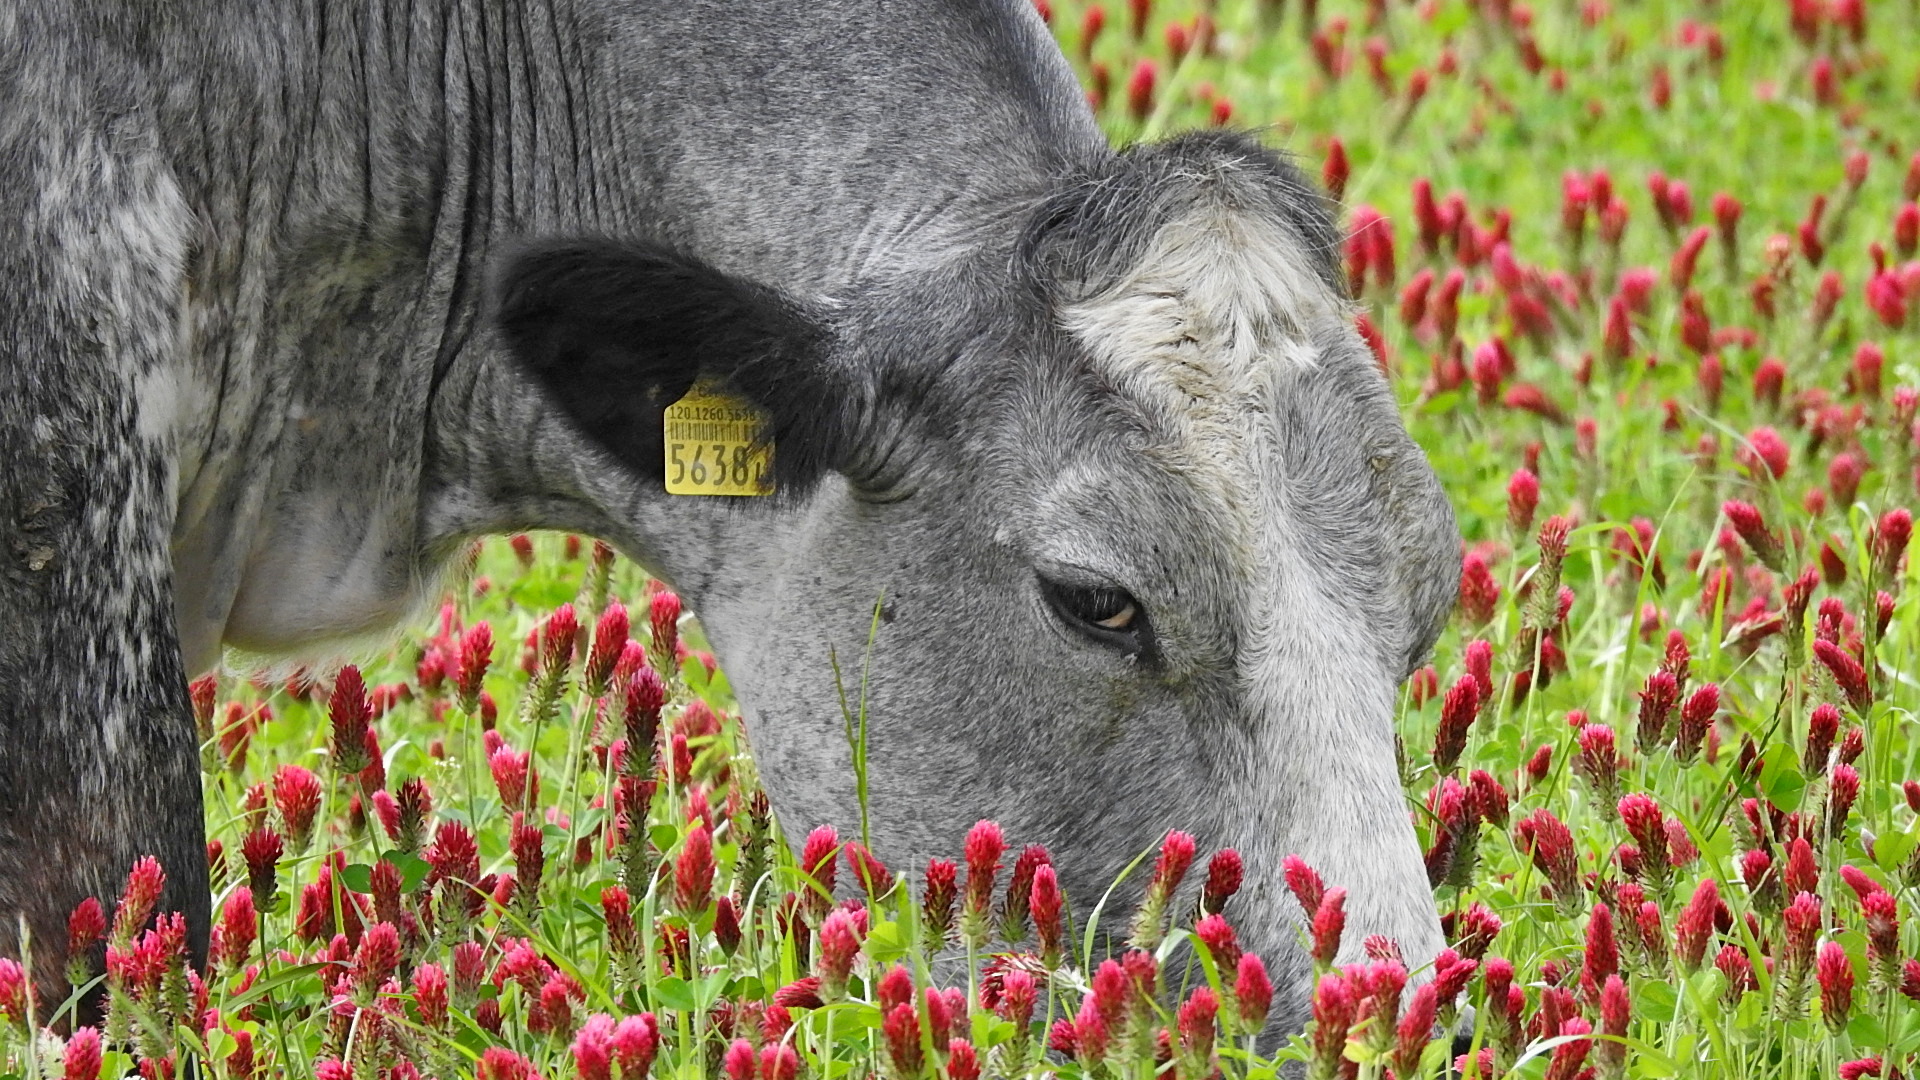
x=1150, y=545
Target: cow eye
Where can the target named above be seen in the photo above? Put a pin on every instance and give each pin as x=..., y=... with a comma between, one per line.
x=1103, y=611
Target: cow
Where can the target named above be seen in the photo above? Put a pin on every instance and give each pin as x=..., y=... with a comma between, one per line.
x=299, y=299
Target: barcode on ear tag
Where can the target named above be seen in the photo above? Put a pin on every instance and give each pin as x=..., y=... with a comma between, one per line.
x=717, y=444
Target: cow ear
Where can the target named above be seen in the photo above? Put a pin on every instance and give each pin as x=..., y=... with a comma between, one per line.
x=614, y=332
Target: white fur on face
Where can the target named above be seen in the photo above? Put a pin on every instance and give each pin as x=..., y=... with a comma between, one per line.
x=1205, y=333
x=1194, y=332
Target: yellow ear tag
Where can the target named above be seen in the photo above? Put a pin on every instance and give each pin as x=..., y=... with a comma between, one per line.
x=717, y=444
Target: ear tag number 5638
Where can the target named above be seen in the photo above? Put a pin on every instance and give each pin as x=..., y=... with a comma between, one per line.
x=717, y=444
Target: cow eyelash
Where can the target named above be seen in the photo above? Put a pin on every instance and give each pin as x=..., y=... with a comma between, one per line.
x=1105, y=613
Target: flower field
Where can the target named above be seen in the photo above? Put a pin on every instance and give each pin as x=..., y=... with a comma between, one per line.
x=1645, y=278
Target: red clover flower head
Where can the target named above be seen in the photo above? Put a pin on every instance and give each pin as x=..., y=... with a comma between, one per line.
x=1044, y=901
x=1657, y=701
x=1802, y=920
x=1252, y=992
x=1848, y=673
x=1479, y=662
x=693, y=871
x=1458, y=710
x=937, y=898
x=1523, y=497
x=144, y=884
x=85, y=927
x=839, y=944
x=476, y=652
x=663, y=614
x=1643, y=819
x=1195, y=1021
x=1696, y=717
x=1695, y=924
x=1550, y=843
x=1599, y=760
x=83, y=1056
x=635, y=1041
x=1890, y=540
x=557, y=637
x=817, y=862
x=1764, y=453
x=1305, y=883
x=984, y=846
x=512, y=770
x=1835, y=974
x=348, y=711
x=261, y=850
x=1601, y=959
x=1844, y=789
x=1224, y=873
x=239, y=925
x=1018, y=899
x=609, y=642
x=1222, y=943
x=1334, y=1008
x=739, y=1061
x=1328, y=923
x=1415, y=1030
x=872, y=874
x=901, y=1029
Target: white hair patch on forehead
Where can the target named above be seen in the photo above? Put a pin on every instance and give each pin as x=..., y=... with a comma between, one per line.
x=1218, y=292
x=1221, y=303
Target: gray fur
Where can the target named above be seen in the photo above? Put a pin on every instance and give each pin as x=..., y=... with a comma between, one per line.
x=251, y=398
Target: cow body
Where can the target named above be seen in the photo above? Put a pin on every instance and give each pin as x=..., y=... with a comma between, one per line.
x=254, y=398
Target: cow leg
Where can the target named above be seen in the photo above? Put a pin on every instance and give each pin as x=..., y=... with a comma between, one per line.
x=98, y=761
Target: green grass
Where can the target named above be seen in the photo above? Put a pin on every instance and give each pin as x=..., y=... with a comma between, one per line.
x=1664, y=450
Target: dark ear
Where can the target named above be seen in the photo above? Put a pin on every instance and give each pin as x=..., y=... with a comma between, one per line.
x=616, y=331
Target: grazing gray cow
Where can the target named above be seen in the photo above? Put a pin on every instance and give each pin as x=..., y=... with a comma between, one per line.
x=1154, y=544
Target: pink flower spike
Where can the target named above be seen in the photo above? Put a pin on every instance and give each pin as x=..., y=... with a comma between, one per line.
x=476, y=653
x=83, y=1056
x=86, y=926
x=636, y=1040
x=1334, y=1006
x=1176, y=855
x=1328, y=923
x=1224, y=873
x=1550, y=844
x=1601, y=958
x=1803, y=925
x=937, y=898
x=1044, y=902
x=839, y=945
x=1695, y=924
x=593, y=1048
x=1415, y=1030
x=739, y=1062
x=901, y=1030
x=693, y=872
x=1458, y=710
x=1835, y=974
x=664, y=620
x=1304, y=882
x=1848, y=673
x=1523, y=497
x=609, y=641
x=1763, y=453
x=348, y=710
x=983, y=848
x=1252, y=993
x=817, y=857
x=963, y=1062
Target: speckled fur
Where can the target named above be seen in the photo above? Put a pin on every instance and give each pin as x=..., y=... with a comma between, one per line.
x=250, y=398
